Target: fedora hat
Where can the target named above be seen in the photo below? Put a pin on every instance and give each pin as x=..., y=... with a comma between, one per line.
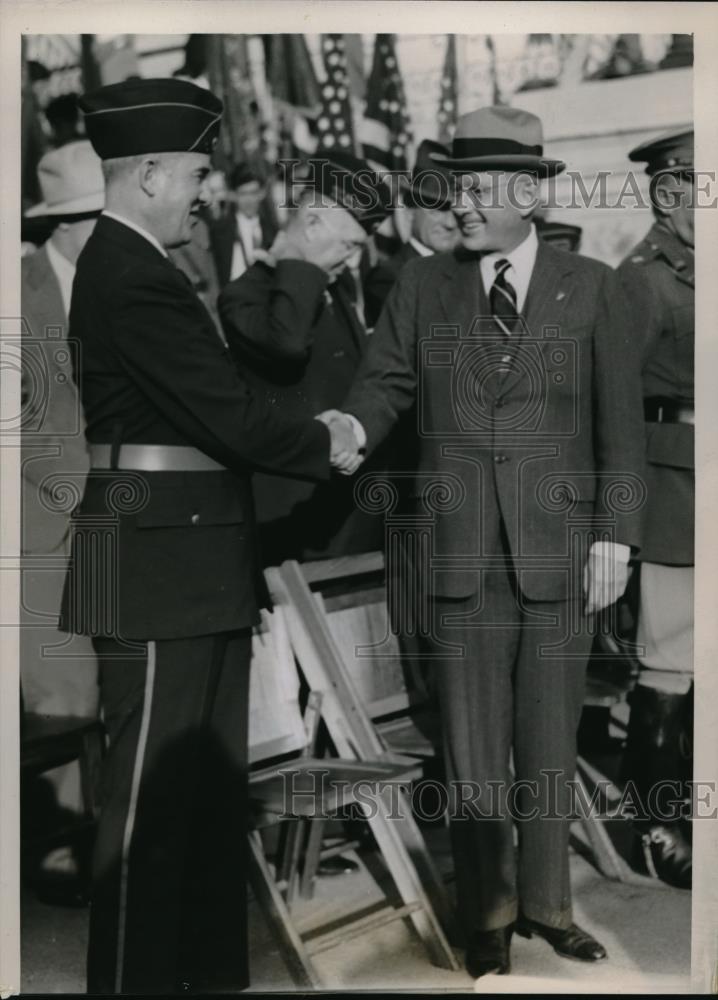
x=71, y=181
x=499, y=138
x=429, y=186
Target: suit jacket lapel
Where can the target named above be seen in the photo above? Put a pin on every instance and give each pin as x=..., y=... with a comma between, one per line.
x=548, y=291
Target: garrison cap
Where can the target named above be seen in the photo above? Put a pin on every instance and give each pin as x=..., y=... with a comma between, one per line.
x=151, y=116
x=672, y=151
x=352, y=183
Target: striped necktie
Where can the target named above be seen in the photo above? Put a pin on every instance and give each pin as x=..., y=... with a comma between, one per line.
x=502, y=299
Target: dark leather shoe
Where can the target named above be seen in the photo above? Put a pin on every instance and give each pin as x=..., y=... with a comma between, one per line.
x=489, y=951
x=338, y=865
x=665, y=854
x=569, y=942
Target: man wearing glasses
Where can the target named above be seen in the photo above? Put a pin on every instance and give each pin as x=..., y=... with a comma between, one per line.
x=529, y=416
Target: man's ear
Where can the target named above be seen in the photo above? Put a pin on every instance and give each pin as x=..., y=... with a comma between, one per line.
x=150, y=171
x=526, y=194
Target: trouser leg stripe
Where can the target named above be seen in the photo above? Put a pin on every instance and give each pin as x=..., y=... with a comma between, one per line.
x=132, y=809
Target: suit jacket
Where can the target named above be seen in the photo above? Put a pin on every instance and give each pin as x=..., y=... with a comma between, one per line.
x=54, y=452
x=167, y=554
x=659, y=277
x=538, y=433
x=223, y=233
x=380, y=280
x=298, y=341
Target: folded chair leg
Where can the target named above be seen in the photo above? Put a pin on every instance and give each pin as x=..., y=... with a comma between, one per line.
x=312, y=855
x=279, y=919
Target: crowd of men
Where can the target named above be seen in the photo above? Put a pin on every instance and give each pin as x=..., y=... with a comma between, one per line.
x=231, y=375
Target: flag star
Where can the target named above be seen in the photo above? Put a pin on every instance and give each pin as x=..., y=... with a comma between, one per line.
x=335, y=107
x=448, y=105
x=329, y=140
x=338, y=124
x=328, y=91
x=323, y=123
x=344, y=140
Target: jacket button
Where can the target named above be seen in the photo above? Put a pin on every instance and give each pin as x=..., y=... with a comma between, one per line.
x=195, y=519
x=500, y=458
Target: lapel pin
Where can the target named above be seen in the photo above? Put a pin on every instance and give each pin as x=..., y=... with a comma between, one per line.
x=561, y=295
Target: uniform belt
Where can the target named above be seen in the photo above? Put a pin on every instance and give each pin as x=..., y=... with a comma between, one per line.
x=154, y=458
x=666, y=411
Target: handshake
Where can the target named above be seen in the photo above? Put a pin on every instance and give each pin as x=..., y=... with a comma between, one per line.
x=347, y=452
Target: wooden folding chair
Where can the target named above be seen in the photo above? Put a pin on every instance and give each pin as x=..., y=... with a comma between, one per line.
x=365, y=646
x=298, y=786
x=355, y=736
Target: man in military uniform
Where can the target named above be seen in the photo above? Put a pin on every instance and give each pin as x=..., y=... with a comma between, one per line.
x=164, y=574
x=294, y=332
x=659, y=276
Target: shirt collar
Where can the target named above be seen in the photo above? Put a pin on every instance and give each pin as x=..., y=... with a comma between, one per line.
x=421, y=248
x=138, y=229
x=64, y=272
x=522, y=259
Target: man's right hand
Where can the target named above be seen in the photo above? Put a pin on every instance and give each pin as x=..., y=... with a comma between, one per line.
x=344, y=454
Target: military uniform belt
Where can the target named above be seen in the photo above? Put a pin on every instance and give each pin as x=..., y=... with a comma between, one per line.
x=153, y=458
x=667, y=411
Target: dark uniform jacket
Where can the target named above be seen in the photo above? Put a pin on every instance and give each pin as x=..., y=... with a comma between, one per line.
x=659, y=278
x=165, y=555
x=380, y=280
x=298, y=341
x=543, y=432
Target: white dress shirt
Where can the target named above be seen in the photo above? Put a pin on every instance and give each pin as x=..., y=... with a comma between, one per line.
x=420, y=248
x=138, y=229
x=64, y=272
x=250, y=237
x=521, y=260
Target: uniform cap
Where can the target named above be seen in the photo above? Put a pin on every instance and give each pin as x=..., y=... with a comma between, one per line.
x=352, y=183
x=151, y=116
x=672, y=151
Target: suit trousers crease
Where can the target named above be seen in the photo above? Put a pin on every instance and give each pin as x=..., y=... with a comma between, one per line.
x=168, y=911
x=507, y=690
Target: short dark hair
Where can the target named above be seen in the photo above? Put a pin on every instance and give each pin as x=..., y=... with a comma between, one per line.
x=242, y=173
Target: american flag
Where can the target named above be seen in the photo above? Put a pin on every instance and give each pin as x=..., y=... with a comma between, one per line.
x=385, y=130
x=335, y=117
x=448, y=94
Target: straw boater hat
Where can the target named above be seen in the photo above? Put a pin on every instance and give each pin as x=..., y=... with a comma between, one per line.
x=71, y=182
x=499, y=138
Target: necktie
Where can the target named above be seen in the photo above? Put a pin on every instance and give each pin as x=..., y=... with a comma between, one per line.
x=502, y=299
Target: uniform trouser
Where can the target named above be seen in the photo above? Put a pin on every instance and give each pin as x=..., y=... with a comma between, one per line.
x=168, y=909
x=665, y=627
x=509, y=691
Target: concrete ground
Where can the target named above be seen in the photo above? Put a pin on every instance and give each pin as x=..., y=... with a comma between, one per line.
x=644, y=926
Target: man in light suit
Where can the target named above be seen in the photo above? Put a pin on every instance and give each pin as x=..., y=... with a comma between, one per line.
x=529, y=416
x=57, y=678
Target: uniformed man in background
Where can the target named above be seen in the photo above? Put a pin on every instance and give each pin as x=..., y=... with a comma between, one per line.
x=294, y=331
x=659, y=276
x=164, y=574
